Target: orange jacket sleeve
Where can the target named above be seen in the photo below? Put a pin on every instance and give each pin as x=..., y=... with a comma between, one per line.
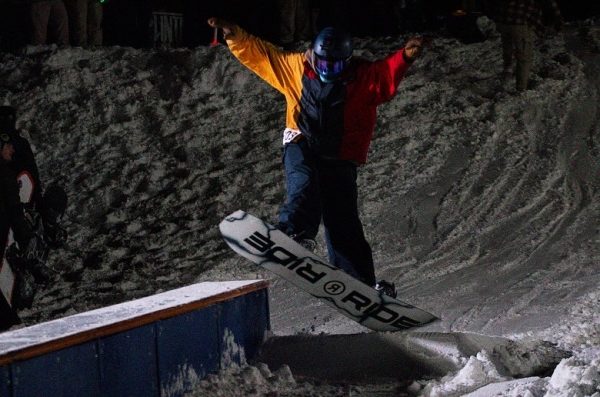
x=282, y=70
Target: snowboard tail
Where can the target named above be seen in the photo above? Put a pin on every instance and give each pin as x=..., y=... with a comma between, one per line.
x=272, y=249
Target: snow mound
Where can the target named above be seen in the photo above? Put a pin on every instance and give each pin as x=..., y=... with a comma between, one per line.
x=575, y=378
x=477, y=372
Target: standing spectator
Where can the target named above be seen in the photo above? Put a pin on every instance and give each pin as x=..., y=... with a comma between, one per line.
x=86, y=22
x=295, y=25
x=518, y=23
x=32, y=217
x=49, y=14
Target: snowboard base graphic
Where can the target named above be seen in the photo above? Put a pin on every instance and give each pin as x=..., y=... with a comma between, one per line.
x=270, y=248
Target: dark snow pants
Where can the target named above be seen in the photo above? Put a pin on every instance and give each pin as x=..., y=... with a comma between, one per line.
x=53, y=14
x=518, y=42
x=326, y=189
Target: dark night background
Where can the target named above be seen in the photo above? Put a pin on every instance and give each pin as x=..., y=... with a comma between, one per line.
x=126, y=22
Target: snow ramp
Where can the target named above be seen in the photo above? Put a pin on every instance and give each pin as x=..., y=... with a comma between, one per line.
x=373, y=357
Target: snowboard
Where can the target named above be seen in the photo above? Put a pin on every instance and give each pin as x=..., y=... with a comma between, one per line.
x=272, y=249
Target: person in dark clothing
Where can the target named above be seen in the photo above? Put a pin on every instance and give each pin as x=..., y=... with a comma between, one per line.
x=22, y=250
x=11, y=215
x=11, y=209
x=23, y=159
x=21, y=257
x=28, y=221
x=49, y=14
x=294, y=21
x=32, y=217
x=85, y=22
x=331, y=113
x=518, y=22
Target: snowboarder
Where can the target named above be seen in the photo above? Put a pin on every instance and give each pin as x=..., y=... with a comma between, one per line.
x=332, y=99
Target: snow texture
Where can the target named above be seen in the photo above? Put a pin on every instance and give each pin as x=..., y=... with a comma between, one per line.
x=481, y=203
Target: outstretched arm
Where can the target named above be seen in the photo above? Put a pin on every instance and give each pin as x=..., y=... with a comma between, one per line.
x=281, y=70
x=387, y=73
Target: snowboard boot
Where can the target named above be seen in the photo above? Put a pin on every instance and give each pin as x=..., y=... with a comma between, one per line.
x=308, y=243
x=386, y=288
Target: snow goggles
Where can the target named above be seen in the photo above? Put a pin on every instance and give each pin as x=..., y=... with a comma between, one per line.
x=329, y=69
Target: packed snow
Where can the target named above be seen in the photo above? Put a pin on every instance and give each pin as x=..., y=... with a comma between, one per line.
x=481, y=203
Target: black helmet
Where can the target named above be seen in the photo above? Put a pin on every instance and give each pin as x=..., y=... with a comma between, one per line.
x=332, y=49
x=8, y=118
